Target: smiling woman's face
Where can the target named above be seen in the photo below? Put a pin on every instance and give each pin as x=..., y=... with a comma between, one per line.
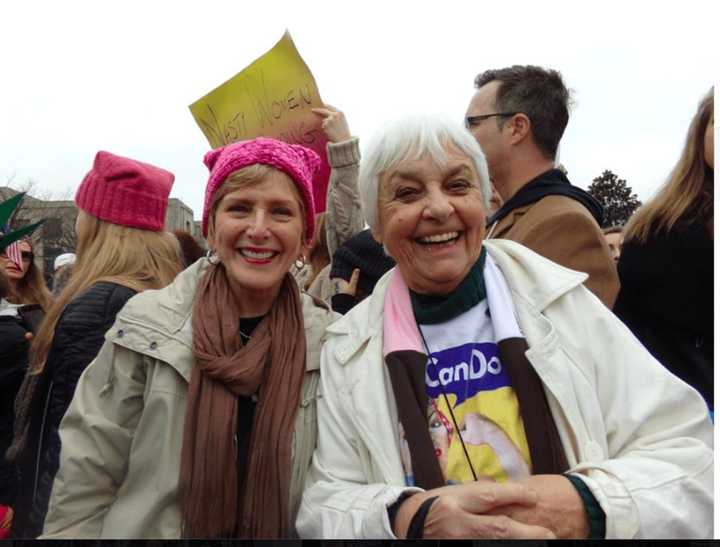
x=257, y=232
x=431, y=220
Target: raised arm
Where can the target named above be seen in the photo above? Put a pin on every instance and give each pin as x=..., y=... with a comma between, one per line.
x=343, y=215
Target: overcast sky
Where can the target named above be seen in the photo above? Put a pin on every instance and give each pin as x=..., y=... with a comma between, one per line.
x=82, y=76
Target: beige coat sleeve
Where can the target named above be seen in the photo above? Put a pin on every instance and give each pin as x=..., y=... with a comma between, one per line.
x=96, y=434
x=343, y=214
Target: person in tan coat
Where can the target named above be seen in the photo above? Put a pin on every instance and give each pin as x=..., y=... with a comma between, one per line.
x=197, y=418
x=541, y=209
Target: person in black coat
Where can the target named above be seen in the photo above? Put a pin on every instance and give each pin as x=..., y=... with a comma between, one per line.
x=120, y=251
x=22, y=288
x=666, y=263
x=14, y=346
x=79, y=334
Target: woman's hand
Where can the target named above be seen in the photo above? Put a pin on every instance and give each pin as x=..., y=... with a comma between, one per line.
x=344, y=287
x=559, y=507
x=461, y=512
x=334, y=124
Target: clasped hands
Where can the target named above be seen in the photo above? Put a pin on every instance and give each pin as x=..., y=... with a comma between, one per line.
x=539, y=507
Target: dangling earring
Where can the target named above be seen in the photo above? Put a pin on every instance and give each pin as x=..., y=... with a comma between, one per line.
x=300, y=262
x=212, y=257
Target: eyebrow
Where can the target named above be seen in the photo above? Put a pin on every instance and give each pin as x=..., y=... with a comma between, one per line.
x=458, y=169
x=274, y=202
x=450, y=171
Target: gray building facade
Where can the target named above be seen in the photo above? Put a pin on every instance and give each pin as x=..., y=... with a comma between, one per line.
x=57, y=234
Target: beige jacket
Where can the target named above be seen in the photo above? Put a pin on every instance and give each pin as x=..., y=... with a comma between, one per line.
x=122, y=435
x=563, y=230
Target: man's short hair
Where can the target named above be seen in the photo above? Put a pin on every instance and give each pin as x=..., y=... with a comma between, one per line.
x=538, y=93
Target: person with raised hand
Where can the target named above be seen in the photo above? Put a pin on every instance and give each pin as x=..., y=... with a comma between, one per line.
x=342, y=218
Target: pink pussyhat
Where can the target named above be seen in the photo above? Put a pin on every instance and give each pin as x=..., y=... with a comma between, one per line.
x=126, y=192
x=299, y=163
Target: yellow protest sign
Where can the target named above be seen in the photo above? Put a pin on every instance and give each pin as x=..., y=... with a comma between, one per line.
x=270, y=98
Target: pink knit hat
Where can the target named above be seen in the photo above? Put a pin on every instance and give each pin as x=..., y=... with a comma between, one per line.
x=298, y=162
x=126, y=192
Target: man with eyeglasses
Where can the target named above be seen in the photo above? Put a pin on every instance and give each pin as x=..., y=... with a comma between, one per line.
x=518, y=115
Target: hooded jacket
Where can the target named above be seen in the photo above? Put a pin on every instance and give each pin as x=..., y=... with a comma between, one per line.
x=122, y=435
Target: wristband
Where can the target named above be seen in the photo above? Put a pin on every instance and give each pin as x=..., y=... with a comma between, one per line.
x=417, y=524
x=593, y=510
x=392, y=510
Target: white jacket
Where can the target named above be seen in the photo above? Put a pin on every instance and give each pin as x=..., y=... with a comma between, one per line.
x=639, y=437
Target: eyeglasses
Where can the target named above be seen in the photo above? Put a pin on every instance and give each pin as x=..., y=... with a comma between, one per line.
x=472, y=121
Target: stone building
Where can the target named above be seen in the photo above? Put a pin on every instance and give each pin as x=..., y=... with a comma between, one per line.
x=57, y=234
x=180, y=217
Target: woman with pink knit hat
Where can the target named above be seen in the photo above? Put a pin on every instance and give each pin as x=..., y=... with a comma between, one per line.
x=121, y=251
x=197, y=419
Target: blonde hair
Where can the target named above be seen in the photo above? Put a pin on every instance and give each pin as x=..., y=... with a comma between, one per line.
x=688, y=188
x=131, y=257
x=31, y=288
x=320, y=255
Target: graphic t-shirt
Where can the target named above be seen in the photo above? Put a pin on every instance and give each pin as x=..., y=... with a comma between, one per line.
x=465, y=371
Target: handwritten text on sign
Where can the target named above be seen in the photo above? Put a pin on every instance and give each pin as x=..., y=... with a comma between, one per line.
x=270, y=98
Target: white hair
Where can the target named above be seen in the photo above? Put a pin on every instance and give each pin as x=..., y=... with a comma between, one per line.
x=411, y=138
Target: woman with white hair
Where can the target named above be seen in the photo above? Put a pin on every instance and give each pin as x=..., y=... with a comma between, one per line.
x=482, y=391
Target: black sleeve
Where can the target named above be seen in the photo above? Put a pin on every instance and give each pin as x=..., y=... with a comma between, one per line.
x=668, y=278
x=13, y=364
x=79, y=335
x=343, y=303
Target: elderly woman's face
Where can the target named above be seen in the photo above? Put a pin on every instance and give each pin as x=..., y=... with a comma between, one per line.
x=431, y=219
x=258, y=233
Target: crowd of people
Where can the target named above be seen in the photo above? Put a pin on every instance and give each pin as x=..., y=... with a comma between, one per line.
x=454, y=348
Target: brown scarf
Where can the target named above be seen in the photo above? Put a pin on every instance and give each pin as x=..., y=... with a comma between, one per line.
x=273, y=361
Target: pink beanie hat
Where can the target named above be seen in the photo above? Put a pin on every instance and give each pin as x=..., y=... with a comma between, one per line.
x=299, y=163
x=126, y=192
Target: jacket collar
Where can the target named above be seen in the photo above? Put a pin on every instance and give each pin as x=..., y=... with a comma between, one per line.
x=158, y=323
x=549, y=183
x=531, y=278
x=167, y=311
